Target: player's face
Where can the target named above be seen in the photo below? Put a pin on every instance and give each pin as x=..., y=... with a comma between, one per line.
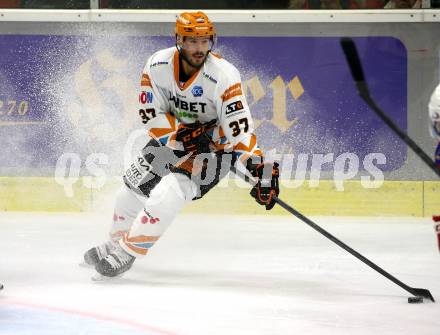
x=195, y=50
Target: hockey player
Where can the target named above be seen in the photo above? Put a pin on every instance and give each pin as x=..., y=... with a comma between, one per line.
x=434, y=113
x=192, y=103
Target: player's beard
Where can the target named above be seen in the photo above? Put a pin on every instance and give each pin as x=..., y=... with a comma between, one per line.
x=193, y=61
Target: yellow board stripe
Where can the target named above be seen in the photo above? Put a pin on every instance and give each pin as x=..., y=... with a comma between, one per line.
x=393, y=198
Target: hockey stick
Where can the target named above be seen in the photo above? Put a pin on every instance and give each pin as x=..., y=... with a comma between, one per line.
x=417, y=292
x=357, y=72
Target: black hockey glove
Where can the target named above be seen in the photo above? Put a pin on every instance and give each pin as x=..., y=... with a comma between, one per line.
x=193, y=136
x=267, y=185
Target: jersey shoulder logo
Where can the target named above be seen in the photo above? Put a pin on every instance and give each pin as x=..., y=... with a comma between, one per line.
x=209, y=77
x=197, y=91
x=234, y=107
x=158, y=63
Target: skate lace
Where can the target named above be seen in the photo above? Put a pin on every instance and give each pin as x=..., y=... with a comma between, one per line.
x=118, y=258
x=105, y=248
x=109, y=246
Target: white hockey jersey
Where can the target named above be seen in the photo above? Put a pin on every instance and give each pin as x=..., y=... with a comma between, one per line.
x=213, y=93
x=434, y=112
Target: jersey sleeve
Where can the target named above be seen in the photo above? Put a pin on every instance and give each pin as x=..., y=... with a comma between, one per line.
x=236, y=119
x=434, y=113
x=154, y=109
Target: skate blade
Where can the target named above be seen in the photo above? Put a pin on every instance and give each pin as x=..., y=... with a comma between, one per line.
x=97, y=277
x=86, y=265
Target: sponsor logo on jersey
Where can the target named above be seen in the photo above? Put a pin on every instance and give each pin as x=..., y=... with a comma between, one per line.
x=117, y=218
x=197, y=91
x=149, y=97
x=188, y=115
x=146, y=219
x=207, y=76
x=137, y=171
x=158, y=63
x=234, y=107
x=193, y=107
x=146, y=97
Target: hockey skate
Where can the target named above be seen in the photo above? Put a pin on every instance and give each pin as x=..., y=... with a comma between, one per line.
x=113, y=265
x=95, y=254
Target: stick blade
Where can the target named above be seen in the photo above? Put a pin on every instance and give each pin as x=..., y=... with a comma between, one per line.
x=352, y=57
x=421, y=292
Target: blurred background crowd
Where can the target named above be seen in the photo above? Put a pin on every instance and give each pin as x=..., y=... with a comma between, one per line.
x=220, y=4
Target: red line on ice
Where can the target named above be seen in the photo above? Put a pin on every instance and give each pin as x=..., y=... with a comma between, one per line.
x=89, y=315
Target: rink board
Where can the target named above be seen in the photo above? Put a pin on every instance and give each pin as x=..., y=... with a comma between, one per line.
x=393, y=198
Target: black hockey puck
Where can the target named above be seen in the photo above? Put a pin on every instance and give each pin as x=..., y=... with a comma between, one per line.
x=1, y=286
x=415, y=300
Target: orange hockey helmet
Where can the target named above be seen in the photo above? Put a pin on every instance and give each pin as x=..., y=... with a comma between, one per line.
x=194, y=24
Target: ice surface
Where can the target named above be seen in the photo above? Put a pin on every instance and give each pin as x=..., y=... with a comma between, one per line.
x=220, y=275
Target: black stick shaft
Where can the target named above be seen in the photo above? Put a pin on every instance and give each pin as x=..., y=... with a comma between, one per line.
x=363, y=91
x=414, y=291
x=357, y=72
x=343, y=245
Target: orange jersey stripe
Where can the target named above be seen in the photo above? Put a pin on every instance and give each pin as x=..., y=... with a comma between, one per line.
x=145, y=81
x=221, y=133
x=190, y=165
x=240, y=146
x=233, y=87
x=159, y=132
x=231, y=92
x=142, y=239
x=216, y=55
x=138, y=239
x=248, y=151
x=137, y=250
